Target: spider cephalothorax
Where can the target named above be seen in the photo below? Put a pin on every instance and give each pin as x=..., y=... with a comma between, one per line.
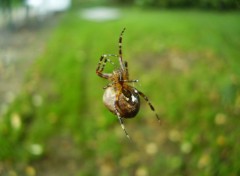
x=119, y=97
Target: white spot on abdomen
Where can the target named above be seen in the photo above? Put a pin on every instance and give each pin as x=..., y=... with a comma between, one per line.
x=133, y=98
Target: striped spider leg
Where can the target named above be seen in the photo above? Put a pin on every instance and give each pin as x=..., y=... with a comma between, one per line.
x=119, y=97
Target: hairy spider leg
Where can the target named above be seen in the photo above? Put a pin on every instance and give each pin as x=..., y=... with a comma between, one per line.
x=130, y=81
x=126, y=69
x=103, y=60
x=102, y=63
x=119, y=117
x=149, y=103
x=120, y=49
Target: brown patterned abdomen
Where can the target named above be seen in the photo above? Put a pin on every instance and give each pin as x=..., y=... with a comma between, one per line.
x=127, y=105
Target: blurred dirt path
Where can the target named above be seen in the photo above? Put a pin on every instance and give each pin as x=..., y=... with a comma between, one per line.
x=19, y=49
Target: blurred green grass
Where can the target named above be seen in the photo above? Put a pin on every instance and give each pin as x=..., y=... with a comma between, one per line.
x=187, y=64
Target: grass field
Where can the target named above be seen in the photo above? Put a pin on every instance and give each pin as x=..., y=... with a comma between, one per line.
x=187, y=63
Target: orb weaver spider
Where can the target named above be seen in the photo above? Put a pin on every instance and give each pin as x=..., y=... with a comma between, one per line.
x=119, y=97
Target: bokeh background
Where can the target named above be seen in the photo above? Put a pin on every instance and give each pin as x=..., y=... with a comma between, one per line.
x=185, y=55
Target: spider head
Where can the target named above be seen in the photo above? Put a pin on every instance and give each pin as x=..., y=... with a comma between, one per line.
x=118, y=76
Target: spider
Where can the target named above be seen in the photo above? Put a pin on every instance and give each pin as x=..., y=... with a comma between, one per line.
x=119, y=97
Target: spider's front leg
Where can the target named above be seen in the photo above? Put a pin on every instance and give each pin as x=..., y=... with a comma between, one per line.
x=101, y=65
x=126, y=69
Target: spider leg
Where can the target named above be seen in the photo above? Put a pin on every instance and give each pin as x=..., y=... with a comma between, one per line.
x=126, y=76
x=108, y=85
x=149, y=103
x=101, y=65
x=120, y=49
x=122, y=125
x=119, y=117
x=126, y=69
x=131, y=81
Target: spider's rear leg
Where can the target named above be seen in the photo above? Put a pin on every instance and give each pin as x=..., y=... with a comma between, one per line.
x=149, y=103
x=102, y=63
x=122, y=125
x=119, y=117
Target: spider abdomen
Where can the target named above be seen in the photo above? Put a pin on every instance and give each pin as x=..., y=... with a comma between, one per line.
x=127, y=105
